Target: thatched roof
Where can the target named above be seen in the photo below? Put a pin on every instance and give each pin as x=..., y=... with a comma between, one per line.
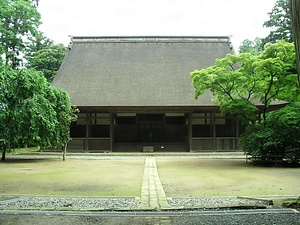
x=137, y=71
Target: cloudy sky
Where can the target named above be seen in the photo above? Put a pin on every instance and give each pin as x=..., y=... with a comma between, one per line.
x=240, y=18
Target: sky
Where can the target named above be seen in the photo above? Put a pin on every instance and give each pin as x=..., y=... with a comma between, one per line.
x=240, y=19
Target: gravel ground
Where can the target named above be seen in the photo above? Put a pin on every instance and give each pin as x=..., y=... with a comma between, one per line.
x=108, y=156
x=214, y=202
x=53, y=203
x=84, y=203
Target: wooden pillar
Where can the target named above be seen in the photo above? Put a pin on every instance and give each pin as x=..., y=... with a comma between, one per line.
x=190, y=131
x=87, y=132
x=237, y=129
x=213, y=116
x=164, y=128
x=136, y=128
x=112, y=131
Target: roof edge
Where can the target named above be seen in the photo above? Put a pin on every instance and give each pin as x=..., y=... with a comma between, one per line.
x=150, y=39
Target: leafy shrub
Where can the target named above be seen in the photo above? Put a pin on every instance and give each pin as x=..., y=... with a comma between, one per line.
x=280, y=135
x=258, y=140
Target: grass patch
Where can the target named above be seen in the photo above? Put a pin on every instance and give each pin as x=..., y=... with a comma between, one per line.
x=225, y=177
x=72, y=177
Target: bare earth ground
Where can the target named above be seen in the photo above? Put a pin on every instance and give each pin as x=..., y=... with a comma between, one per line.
x=225, y=177
x=180, y=178
x=72, y=177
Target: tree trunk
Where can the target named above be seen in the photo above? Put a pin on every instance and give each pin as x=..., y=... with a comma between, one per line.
x=3, y=154
x=295, y=19
x=65, y=151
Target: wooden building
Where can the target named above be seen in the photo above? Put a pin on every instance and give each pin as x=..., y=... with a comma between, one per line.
x=135, y=94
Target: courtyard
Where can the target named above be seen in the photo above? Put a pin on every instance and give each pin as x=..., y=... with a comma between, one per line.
x=146, y=182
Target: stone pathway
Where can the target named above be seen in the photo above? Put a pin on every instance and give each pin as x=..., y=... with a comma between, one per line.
x=153, y=195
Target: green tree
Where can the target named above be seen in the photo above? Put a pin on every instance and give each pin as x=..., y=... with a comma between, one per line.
x=48, y=60
x=240, y=82
x=65, y=114
x=31, y=111
x=254, y=47
x=45, y=56
x=279, y=137
x=280, y=22
x=35, y=44
x=19, y=22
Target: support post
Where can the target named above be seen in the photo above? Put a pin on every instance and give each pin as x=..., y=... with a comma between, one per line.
x=87, y=132
x=214, y=129
x=237, y=132
x=111, y=131
x=190, y=131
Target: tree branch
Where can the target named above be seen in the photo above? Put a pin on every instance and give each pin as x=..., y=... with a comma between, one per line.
x=252, y=88
x=266, y=98
x=225, y=91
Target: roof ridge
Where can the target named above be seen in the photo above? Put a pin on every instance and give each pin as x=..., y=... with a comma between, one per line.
x=150, y=39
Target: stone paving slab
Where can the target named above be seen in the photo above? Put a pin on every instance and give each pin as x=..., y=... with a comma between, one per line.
x=153, y=195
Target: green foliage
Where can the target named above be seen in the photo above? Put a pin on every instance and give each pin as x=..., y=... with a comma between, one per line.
x=280, y=21
x=31, y=111
x=48, y=60
x=35, y=44
x=45, y=56
x=278, y=65
x=65, y=114
x=240, y=108
x=224, y=78
x=19, y=22
x=280, y=136
x=254, y=47
x=239, y=82
x=258, y=140
x=286, y=123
